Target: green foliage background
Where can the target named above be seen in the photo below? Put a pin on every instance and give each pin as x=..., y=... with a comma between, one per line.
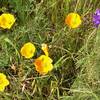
x=76, y=52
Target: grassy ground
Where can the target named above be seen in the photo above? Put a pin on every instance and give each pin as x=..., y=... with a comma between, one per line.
x=76, y=52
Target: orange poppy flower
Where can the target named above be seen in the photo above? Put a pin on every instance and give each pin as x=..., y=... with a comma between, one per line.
x=73, y=20
x=28, y=50
x=43, y=64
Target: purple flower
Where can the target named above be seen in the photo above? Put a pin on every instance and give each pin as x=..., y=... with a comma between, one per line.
x=96, y=18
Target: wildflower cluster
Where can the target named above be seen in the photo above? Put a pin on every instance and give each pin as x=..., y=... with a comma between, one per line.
x=6, y=22
x=43, y=63
x=74, y=20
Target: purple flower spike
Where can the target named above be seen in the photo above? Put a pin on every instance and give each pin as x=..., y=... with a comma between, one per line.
x=96, y=18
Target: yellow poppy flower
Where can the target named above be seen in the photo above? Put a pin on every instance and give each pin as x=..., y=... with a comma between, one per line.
x=7, y=20
x=43, y=64
x=73, y=20
x=28, y=50
x=3, y=82
x=45, y=49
